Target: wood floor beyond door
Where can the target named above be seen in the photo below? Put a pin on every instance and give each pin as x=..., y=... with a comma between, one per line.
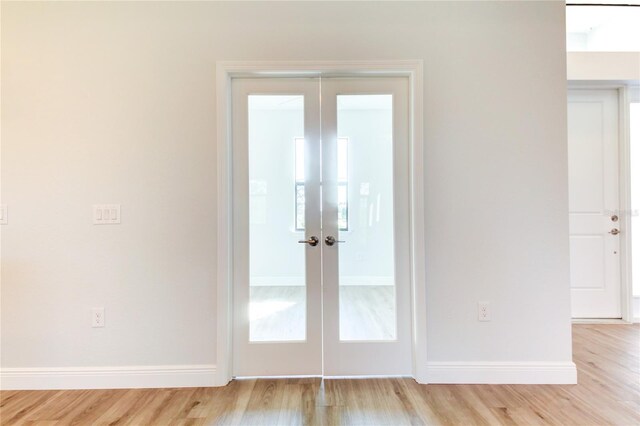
x=608, y=393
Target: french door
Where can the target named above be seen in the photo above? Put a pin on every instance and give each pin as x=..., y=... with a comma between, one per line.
x=321, y=227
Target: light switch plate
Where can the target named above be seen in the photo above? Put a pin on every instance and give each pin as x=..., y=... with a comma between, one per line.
x=4, y=219
x=106, y=214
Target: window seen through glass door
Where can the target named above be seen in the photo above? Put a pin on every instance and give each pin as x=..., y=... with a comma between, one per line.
x=343, y=184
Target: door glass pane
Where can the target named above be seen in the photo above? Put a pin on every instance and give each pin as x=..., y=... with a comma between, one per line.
x=365, y=217
x=277, y=287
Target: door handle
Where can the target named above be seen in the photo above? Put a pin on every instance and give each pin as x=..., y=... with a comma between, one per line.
x=614, y=231
x=312, y=241
x=330, y=240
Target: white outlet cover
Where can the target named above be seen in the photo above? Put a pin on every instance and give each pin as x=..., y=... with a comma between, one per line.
x=4, y=219
x=484, y=311
x=97, y=317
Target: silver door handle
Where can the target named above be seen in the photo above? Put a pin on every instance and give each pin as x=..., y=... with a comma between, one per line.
x=614, y=231
x=330, y=240
x=312, y=241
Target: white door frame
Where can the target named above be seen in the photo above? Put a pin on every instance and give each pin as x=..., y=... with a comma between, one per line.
x=225, y=71
x=624, y=174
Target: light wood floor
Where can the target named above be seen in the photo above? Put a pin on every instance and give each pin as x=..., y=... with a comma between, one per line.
x=608, y=393
x=366, y=313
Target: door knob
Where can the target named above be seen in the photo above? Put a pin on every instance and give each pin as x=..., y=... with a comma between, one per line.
x=330, y=240
x=614, y=231
x=312, y=241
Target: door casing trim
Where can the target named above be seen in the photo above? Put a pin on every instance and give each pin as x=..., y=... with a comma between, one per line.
x=225, y=72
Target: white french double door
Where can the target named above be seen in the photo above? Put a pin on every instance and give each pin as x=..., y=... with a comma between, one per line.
x=321, y=265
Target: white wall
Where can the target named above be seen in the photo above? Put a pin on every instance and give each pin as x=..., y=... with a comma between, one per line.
x=608, y=66
x=115, y=103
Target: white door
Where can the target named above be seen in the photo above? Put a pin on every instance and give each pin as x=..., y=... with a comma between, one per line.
x=365, y=194
x=594, y=203
x=321, y=252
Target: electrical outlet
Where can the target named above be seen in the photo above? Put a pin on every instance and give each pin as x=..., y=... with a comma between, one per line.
x=484, y=313
x=97, y=317
x=3, y=214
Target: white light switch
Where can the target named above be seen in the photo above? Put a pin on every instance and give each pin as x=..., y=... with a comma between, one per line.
x=3, y=214
x=106, y=214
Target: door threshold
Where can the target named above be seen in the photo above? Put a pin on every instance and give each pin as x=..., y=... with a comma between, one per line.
x=364, y=376
x=277, y=377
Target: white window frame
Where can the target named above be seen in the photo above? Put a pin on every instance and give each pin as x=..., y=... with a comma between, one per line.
x=225, y=72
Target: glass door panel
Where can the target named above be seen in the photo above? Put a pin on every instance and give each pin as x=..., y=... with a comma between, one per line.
x=277, y=307
x=365, y=217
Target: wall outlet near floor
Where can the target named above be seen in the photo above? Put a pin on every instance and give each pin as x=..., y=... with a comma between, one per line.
x=484, y=313
x=97, y=317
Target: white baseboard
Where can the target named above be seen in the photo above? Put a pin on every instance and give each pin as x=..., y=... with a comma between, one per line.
x=163, y=376
x=564, y=373
x=205, y=375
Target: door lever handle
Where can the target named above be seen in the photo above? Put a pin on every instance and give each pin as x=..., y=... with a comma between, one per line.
x=312, y=241
x=330, y=240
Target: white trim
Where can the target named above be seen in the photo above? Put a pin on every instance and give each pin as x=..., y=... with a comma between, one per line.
x=224, y=227
x=598, y=321
x=129, y=377
x=552, y=373
x=636, y=309
x=224, y=72
x=624, y=179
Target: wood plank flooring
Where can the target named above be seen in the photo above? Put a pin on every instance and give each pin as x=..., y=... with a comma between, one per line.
x=608, y=393
x=278, y=313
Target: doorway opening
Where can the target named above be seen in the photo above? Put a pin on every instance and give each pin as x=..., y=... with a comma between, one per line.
x=321, y=223
x=602, y=202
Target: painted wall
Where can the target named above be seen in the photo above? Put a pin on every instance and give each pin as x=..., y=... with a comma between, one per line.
x=609, y=66
x=115, y=103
